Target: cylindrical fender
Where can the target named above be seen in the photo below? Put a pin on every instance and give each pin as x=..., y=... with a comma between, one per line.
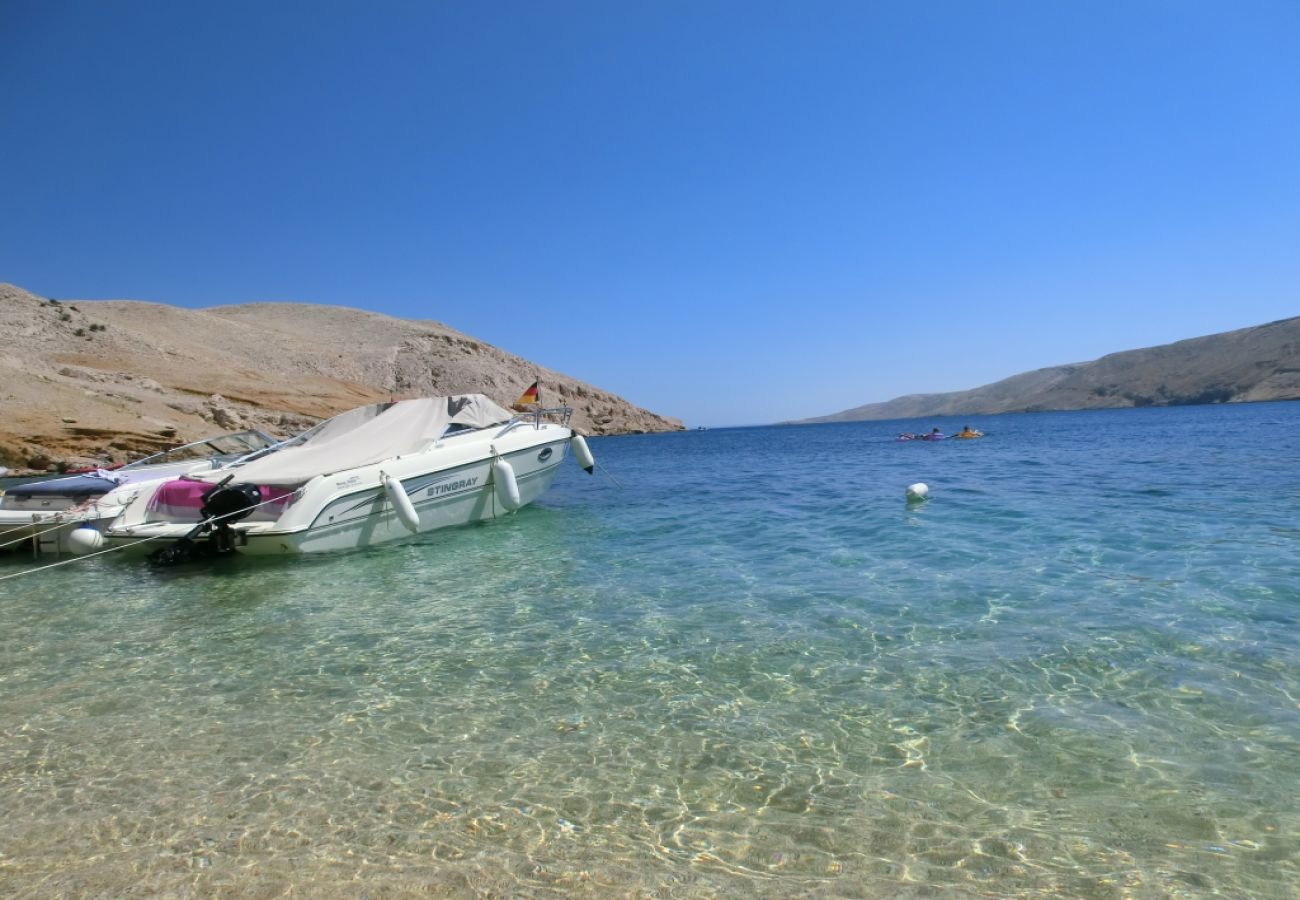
x=84, y=540
x=506, y=484
x=583, y=453
x=402, y=505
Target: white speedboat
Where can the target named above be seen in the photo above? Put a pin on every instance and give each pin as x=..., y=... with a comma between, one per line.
x=45, y=515
x=372, y=475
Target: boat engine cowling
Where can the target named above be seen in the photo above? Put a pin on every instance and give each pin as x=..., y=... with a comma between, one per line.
x=230, y=503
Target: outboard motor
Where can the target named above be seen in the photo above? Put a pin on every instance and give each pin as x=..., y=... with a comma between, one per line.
x=230, y=503
x=227, y=504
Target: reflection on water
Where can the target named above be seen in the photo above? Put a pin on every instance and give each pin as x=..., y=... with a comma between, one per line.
x=753, y=670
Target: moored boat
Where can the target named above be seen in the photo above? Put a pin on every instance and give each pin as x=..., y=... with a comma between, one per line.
x=44, y=515
x=376, y=474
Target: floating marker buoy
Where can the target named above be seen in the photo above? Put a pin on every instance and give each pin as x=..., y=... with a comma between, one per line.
x=583, y=453
x=84, y=540
x=402, y=505
x=917, y=492
x=507, y=486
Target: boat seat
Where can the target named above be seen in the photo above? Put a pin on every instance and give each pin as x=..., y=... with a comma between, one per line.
x=180, y=500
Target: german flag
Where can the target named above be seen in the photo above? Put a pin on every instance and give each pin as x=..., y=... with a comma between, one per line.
x=530, y=397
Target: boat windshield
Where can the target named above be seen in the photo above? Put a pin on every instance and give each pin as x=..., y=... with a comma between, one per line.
x=239, y=443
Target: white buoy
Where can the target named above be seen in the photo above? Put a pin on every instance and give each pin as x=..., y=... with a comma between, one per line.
x=583, y=453
x=917, y=492
x=84, y=540
x=402, y=505
x=507, y=487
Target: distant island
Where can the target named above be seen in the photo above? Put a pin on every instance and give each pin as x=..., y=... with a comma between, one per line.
x=95, y=381
x=1247, y=365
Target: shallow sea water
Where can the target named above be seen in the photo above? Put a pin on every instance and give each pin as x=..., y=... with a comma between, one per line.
x=748, y=668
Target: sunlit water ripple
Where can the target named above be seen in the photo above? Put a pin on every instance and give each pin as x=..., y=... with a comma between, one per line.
x=747, y=668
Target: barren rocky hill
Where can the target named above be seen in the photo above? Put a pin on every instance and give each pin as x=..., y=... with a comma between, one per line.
x=105, y=380
x=1250, y=364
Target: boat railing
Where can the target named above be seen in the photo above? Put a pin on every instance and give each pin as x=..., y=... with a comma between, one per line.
x=558, y=414
x=536, y=415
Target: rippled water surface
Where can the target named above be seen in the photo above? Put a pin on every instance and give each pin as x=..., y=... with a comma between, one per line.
x=748, y=668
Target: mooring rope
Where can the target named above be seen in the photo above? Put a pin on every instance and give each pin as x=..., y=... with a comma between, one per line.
x=608, y=474
x=84, y=556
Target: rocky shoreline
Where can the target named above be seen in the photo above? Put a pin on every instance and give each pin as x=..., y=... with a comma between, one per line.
x=90, y=382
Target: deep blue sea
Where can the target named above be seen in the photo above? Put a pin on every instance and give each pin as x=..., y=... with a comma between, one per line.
x=733, y=663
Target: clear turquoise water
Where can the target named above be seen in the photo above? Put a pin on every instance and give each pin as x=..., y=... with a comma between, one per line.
x=750, y=669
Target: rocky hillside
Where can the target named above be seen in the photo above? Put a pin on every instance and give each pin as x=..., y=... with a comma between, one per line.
x=1260, y=363
x=105, y=380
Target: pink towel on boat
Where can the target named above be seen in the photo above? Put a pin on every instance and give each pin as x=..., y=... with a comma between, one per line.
x=183, y=498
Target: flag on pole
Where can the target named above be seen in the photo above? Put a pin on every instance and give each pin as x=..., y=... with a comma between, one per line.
x=530, y=397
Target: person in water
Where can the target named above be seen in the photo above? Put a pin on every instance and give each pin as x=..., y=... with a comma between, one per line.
x=967, y=432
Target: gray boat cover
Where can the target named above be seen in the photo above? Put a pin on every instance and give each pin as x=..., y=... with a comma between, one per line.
x=368, y=435
x=79, y=486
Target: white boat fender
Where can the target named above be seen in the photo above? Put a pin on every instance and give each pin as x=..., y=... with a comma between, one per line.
x=406, y=513
x=503, y=476
x=583, y=453
x=85, y=540
x=917, y=492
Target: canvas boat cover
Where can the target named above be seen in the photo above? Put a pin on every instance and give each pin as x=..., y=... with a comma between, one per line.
x=80, y=486
x=368, y=435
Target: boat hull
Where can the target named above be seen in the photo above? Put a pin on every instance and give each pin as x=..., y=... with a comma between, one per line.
x=49, y=534
x=369, y=518
x=42, y=533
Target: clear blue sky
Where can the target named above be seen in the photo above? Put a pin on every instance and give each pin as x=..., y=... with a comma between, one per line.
x=729, y=212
